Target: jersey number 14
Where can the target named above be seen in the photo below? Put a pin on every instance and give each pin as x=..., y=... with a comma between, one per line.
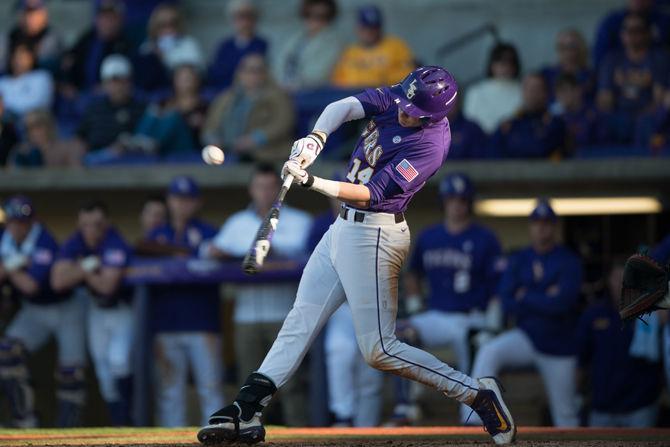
x=356, y=173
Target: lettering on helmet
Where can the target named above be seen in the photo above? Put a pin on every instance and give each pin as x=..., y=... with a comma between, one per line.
x=411, y=90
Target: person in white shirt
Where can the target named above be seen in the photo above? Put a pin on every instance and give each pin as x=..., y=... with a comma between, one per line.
x=260, y=309
x=498, y=97
x=26, y=88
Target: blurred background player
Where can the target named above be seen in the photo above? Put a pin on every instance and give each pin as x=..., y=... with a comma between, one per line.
x=459, y=260
x=27, y=251
x=154, y=214
x=92, y=264
x=540, y=288
x=185, y=317
x=376, y=59
x=624, y=383
x=260, y=309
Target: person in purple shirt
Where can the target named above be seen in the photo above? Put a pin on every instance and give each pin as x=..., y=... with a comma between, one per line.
x=27, y=254
x=185, y=317
x=468, y=140
x=582, y=120
x=404, y=143
x=91, y=265
x=232, y=50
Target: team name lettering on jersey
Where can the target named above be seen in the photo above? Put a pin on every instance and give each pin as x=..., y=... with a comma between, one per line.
x=448, y=258
x=372, y=150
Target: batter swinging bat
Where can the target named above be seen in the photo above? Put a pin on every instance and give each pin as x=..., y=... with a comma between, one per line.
x=253, y=261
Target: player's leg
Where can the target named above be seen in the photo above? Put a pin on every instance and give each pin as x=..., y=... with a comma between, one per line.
x=369, y=383
x=341, y=355
x=119, y=360
x=319, y=294
x=559, y=377
x=99, y=335
x=204, y=350
x=71, y=375
x=171, y=360
x=26, y=333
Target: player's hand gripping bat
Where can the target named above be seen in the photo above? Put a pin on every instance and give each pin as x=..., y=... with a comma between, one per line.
x=253, y=261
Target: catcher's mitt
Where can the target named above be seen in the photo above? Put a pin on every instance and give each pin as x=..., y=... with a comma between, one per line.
x=645, y=283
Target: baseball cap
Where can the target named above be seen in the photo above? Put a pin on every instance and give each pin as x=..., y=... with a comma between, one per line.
x=370, y=15
x=115, y=66
x=543, y=211
x=31, y=5
x=184, y=186
x=18, y=208
x=457, y=184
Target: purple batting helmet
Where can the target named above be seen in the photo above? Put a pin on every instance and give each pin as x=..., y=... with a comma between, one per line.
x=427, y=92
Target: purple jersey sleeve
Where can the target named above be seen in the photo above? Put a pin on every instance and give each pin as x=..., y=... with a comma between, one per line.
x=115, y=253
x=606, y=72
x=375, y=100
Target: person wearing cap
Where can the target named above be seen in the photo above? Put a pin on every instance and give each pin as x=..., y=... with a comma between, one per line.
x=113, y=117
x=376, y=59
x=33, y=28
x=80, y=66
x=540, y=288
x=245, y=40
x=260, y=309
x=91, y=264
x=460, y=261
x=27, y=253
x=185, y=317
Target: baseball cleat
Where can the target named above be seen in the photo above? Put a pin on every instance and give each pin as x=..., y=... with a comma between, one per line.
x=493, y=412
x=225, y=426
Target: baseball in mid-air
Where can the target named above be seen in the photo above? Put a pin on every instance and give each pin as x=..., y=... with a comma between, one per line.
x=212, y=155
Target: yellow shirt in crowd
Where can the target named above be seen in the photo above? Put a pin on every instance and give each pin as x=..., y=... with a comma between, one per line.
x=386, y=63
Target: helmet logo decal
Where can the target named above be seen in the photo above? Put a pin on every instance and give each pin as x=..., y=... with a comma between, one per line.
x=411, y=90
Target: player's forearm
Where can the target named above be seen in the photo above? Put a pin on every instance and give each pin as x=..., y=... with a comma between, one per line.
x=355, y=195
x=337, y=113
x=66, y=275
x=23, y=282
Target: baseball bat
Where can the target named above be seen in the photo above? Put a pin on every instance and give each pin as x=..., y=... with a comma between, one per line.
x=253, y=261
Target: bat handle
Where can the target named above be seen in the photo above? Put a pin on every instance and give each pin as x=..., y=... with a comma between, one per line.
x=288, y=180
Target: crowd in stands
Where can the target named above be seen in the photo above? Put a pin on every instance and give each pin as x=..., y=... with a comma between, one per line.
x=498, y=312
x=137, y=87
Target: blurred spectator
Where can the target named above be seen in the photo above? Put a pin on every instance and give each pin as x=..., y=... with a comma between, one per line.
x=581, y=119
x=573, y=59
x=260, y=309
x=252, y=120
x=468, y=140
x=43, y=146
x=533, y=132
x=110, y=120
x=80, y=66
x=306, y=59
x=33, y=28
x=8, y=135
x=459, y=260
x=624, y=385
x=185, y=317
x=608, y=35
x=653, y=129
x=153, y=215
x=188, y=100
x=27, y=253
x=25, y=87
x=498, y=97
x=376, y=59
x=166, y=47
x=91, y=264
x=540, y=287
x=244, y=41
x=633, y=80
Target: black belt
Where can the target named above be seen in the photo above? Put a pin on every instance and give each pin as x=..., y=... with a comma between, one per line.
x=360, y=216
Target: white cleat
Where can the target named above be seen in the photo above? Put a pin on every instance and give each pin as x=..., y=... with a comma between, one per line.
x=493, y=412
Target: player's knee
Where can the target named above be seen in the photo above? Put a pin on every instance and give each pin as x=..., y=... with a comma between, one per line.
x=376, y=356
x=12, y=358
x=71, y=382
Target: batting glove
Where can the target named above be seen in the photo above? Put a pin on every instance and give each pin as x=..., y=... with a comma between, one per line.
x=305, y=150
x=292, y=167
x=90, y=264
x=15, y=262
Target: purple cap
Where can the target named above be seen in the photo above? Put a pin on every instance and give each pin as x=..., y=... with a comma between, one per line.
x=31, y=5
x=184, y=186
x=543, y=211
x=18, y=208
x=370, y=16
x=427, y=92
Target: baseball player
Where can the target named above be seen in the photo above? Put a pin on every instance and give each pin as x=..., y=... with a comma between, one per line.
x=459, y=259
x=359, y=258
x=27, y=252
x=92, y=264
x=540, y=286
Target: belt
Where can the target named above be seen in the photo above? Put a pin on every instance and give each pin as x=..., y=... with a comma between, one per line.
x=359, y=216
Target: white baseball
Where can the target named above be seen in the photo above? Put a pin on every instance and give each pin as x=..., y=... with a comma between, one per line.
x=212, y=155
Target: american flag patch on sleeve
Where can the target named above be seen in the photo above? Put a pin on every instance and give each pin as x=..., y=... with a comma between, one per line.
x=406, y=169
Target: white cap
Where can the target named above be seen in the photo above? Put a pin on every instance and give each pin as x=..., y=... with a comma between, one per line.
x=115, y=66
x=186, y=52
